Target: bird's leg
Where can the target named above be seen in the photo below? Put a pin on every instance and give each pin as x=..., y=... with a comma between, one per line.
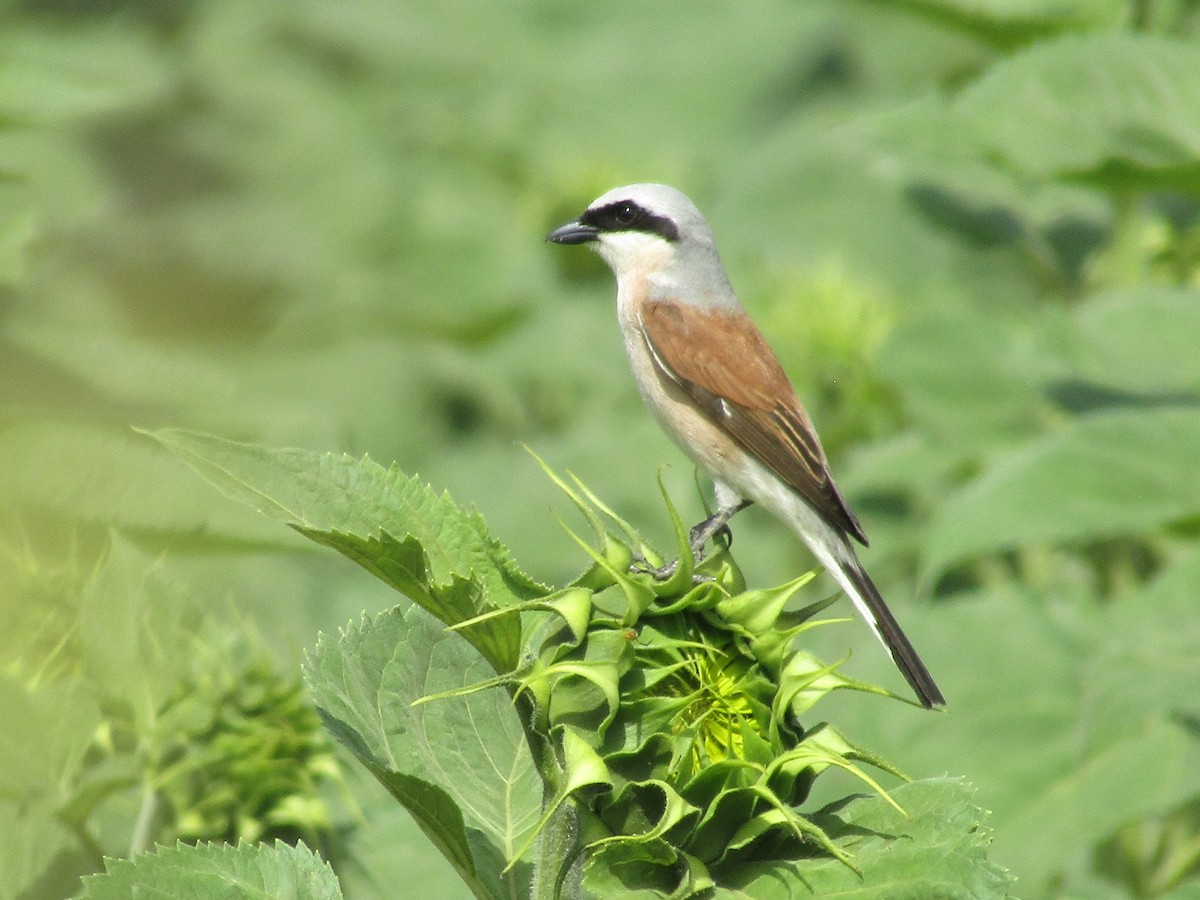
x=715, y=524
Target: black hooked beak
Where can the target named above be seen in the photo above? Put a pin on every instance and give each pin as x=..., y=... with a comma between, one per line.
x=573, y=233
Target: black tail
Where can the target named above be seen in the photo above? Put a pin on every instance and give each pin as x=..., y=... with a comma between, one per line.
x=884, y=624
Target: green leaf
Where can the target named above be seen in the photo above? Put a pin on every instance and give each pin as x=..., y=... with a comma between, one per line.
x=41, y=857
x=1006, y=23
x=393, y=525
x=63, y=74
x=966, y=377
x=1054, y=828
x=1071, y=719
x=108, y=477
x=459, y=765
x=57, y=723
x=1140, y=341
x=1081, y=103
x=219, y=872
x=135, y=632
x=327, y=493
x=1102, y=476
x=1125, y=748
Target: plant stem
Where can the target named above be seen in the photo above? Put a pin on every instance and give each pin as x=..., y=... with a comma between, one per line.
x=144, y=826
x=558, y=866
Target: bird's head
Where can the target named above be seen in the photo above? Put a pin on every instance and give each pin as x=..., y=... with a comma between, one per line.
x=651, y=230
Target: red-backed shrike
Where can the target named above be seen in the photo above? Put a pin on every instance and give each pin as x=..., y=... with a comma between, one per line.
x=717, y=388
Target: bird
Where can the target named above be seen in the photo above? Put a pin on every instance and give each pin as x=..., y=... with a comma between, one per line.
x=716, y=387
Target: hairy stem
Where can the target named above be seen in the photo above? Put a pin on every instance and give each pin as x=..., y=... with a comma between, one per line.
x=558, y=867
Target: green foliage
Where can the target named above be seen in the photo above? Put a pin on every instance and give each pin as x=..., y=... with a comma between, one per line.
x=239, y=755
x=969, y=227
x=651, y=730
x=1109, y=106
x=393, y=525
x=943, y=854
x=461, y=769
x=221, y=872
x=1109, y=683
x=139, y=721
x=1106, y=475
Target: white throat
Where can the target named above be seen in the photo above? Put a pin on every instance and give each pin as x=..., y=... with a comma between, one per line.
x=632, y=254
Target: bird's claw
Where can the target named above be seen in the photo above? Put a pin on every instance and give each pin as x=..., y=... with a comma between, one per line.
x=714, y=528
x=641, y=565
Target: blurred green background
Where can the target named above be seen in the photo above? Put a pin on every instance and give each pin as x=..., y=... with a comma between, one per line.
x=969, y=227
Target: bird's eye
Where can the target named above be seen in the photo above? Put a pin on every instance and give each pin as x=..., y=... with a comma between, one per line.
x=625, y=214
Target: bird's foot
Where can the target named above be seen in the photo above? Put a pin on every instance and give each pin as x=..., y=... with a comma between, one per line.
x=642, y=566
x=665, y=572
x=715, y=526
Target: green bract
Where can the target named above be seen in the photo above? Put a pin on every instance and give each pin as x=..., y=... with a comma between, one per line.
x=673, y=706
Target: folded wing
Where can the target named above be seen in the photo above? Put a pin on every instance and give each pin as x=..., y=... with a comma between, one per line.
x=723, y=362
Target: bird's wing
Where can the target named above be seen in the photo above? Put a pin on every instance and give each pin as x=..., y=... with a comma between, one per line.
x=723, y=362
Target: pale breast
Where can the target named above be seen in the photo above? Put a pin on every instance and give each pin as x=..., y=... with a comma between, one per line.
x=707, y=445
